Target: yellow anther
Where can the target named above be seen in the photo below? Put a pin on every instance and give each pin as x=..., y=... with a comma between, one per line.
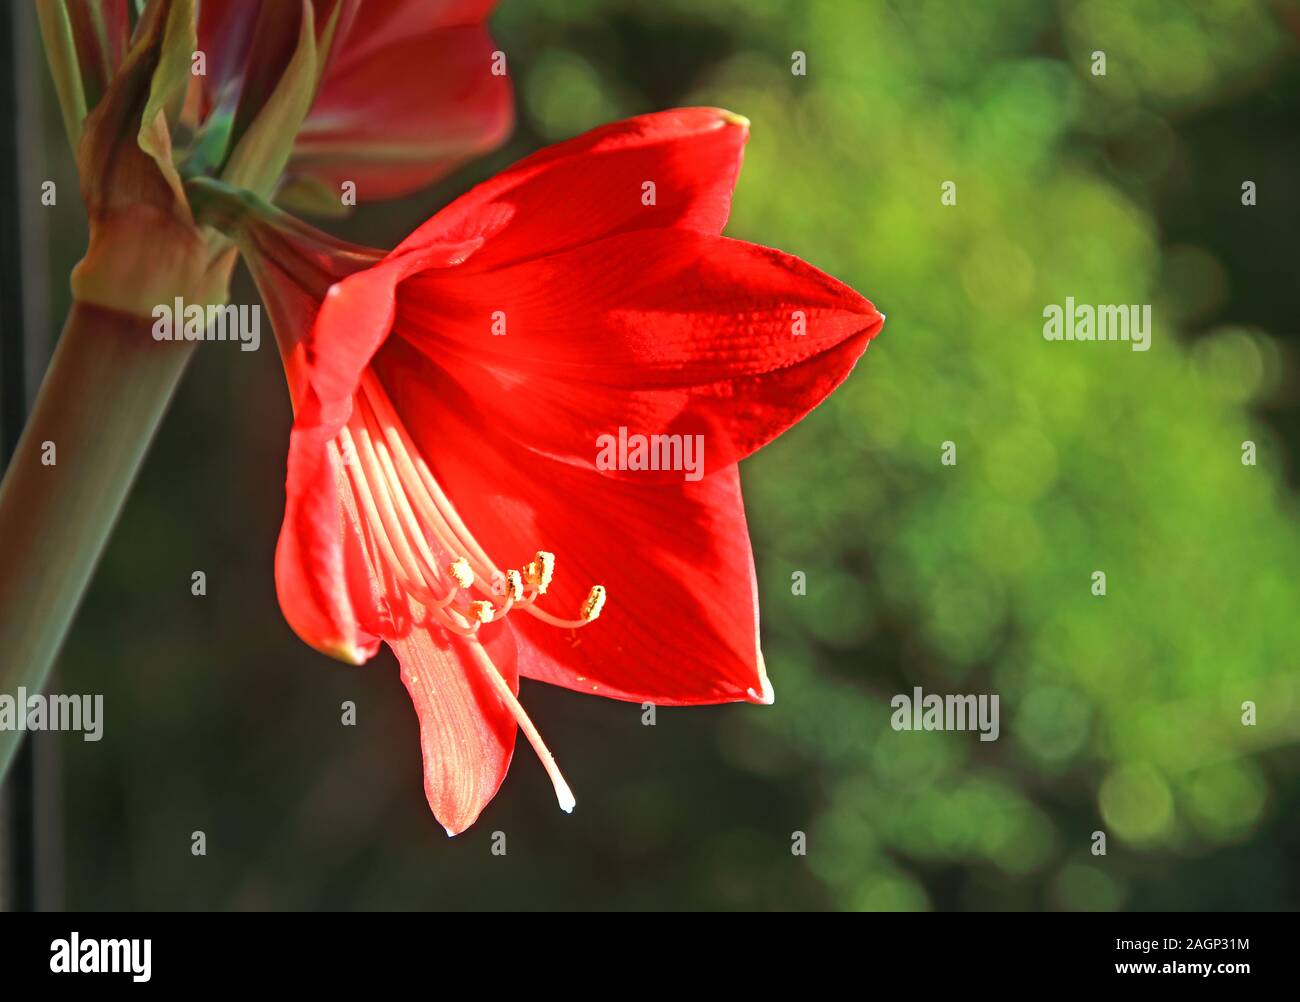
x=460, y=570
x=483, y=611
x=538, y=572
x=514, y=586
x=594, y=603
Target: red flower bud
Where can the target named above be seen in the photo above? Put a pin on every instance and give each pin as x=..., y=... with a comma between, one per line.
x=310, y=101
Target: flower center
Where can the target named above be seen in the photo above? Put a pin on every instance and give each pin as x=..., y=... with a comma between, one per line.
x=430, y=569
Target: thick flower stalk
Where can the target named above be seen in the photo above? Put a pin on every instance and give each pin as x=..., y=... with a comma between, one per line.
x=316, y=102
x=447, y=492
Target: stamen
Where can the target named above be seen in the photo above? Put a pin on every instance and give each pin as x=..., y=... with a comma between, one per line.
x=460, y=570
x=391, y=541
x=408, y=455
x=594, y=603
x=539, y=571
x=381, y=444
x=467, y=632
x=591, y=606
x=429, y=568
x=389, y=489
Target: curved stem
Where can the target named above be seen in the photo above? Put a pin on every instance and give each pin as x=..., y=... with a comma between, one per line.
x=108, y=385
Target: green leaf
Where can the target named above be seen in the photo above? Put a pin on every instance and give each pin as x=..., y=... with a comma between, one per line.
x=61, y=52
x=263, y=151
x=211, y=146
x=167, y=86
x=310, y=195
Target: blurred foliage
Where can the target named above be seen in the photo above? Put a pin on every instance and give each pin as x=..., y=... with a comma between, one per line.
x=1120, y=713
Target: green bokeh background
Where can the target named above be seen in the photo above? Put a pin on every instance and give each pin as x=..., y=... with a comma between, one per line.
x=1120, y=713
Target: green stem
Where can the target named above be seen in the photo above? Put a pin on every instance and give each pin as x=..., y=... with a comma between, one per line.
x=99, y=405
x=61, y=49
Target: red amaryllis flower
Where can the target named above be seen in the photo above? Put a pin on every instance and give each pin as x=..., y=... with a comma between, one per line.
x=444, y=494
x=407, y=92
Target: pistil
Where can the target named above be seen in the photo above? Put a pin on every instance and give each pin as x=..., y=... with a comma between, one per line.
x=430, y=568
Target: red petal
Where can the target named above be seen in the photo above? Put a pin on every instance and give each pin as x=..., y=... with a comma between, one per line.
x=681, y=622
x=353, y=321
x=294, y=266
x=321, y=577
x=324, y=589
x=592, y=186
x=409, y=94
x=467, y=734
x=323, y=584
x=100, y=30
x=656, y=331
x=225, y=34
